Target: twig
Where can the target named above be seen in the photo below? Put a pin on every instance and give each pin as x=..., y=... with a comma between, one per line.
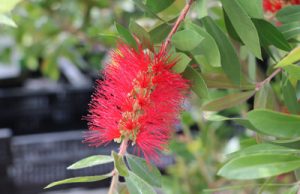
x=176, y=25
x=268, y=79
x=115, y=173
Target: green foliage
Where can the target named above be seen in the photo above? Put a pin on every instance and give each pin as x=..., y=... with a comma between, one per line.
x=146, y=171
x=291, y=58
x=198, y=84
x=137, y=185
x=120, y=164
x=227, y=101
x=84, y=179
x=259, y=166
x=186, y=40
x=273, y=123
x=227, y=53
x=243, y=25
x=91, y=161
x=229, y=60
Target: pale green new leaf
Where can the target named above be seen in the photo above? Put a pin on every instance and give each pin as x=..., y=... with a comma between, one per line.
x=148, y=172
x=4, y=19
x=186, y=40
x=91, y=161
x=84, y=179
x=137, y=185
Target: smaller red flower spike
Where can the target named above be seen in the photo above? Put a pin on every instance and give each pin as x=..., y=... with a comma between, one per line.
x=275, y=5
x=138, y=99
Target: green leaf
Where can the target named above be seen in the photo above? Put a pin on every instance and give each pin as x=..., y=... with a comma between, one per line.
x=240, y=121
x=4, y=19
x=142, y=6
x=182, y=62
x=275, y=123
x=126, y=35
x=198, y=84
x=148, y=172
x=157, y=5
x=229, y=59
x=141, y=33
x=264, y=98
x=289, y=14
x=91, y=161
x=137, y=185
x=253, y=8
x=186, y=40
x=160, y=32
x=221, y=81
x=289, y=97
x=208, y=47
x=264, y=148
x=201, y=8
x=259, y=166
x=228, y=101
x=120, y=164
x=293, y=71
x=84, y=179
x=291, y=58
x=7, y=5
x=243, y=25
x=270, y=35
x=290, y=30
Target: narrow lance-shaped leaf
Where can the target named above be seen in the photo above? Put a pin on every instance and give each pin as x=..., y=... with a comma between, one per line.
x=293, y=71
x=126, y=35
x=148, y=172
x=229, y=60
x=275, y=123
x=289, y=97
x=141, y=33
x=91, y=161
x=259, y=166
x=228, y=101
x=291, y=58
x=182, y=62
x=142, y=6
x=198, y=84
x=270, y=35
x=290, y=30
x=157, y=5
x=264, y=148
x=160, y=32
x=120, y=164
x=84, y=179
x=254, y=8
x=221, y=81
x=186, y=40
x=208, y=47
x=289, y=14
x=243, y=25
x=137, y=185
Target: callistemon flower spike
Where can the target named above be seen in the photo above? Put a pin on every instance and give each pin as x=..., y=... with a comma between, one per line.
x=275, y=5
x=138, y=99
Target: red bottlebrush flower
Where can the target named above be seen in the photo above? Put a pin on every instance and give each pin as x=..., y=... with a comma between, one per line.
x=275, y=5
x=272, y=5
x=139, y=99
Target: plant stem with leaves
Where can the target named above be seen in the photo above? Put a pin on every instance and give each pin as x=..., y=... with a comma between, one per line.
x=115, y=173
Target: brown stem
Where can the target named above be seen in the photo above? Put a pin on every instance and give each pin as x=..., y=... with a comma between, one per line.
x=268, y=79
x=176, y=25
x=115, y=177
